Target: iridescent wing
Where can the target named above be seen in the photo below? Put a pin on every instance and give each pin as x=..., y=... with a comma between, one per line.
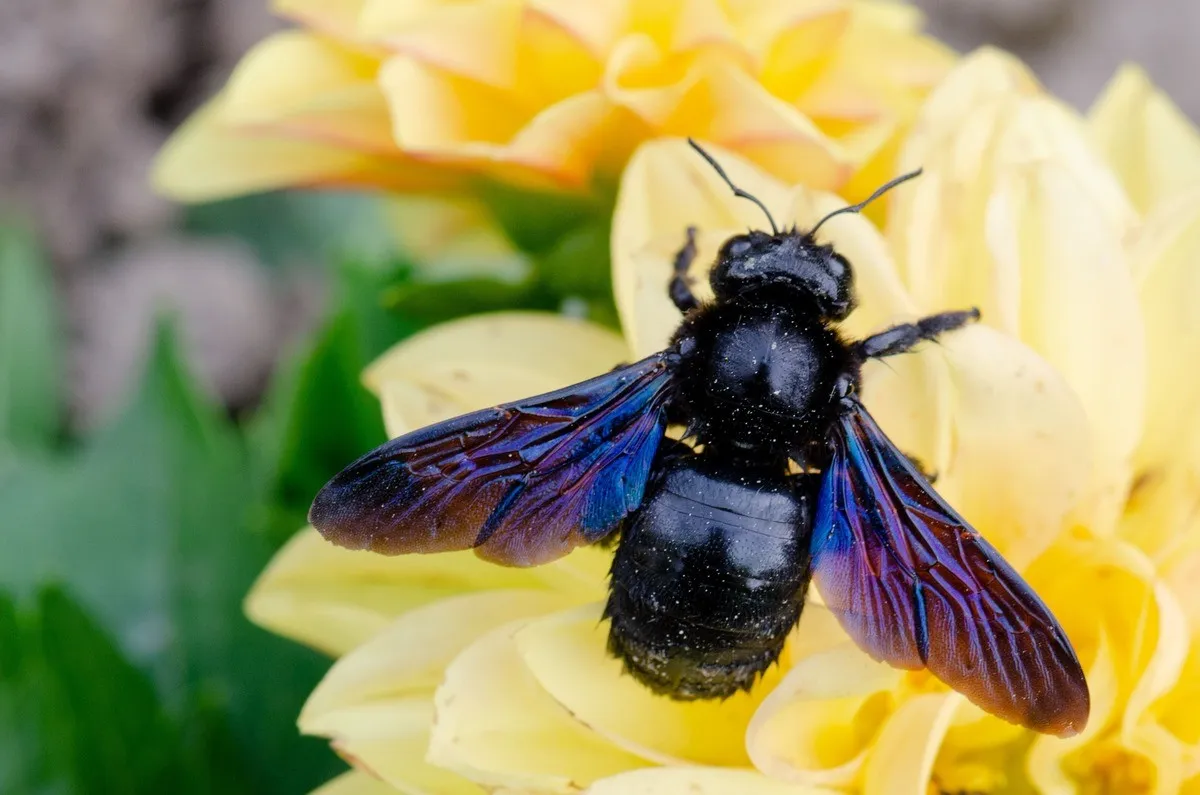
x=915, y=586
x=522, y=483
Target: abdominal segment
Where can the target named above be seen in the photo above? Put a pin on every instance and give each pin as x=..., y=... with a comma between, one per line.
x=709, y=577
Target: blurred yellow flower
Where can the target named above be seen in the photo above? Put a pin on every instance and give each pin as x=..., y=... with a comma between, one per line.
x=1063, y=427
x=417, y=96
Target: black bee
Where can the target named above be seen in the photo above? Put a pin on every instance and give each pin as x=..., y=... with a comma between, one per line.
x=786, y=475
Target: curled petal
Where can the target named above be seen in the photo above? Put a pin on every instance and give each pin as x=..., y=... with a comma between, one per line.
x=817, y=725
x=334, y=599
x=697, y=781
x=902, y=757
x=567, y=655
x=485, y=360
x=496, y=725
x=1167, y=651
x=375, y=704
x=1045, y=764
x=1146, y=139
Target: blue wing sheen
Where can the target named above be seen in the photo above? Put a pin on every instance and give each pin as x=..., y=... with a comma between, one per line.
x=522, y=483
x=915, y=586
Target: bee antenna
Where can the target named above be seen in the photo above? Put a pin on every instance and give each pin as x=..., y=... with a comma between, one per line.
x=857, y=208
x=741, y=194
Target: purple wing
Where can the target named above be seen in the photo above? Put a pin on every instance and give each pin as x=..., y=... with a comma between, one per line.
x=522, y=483
x=915, y=586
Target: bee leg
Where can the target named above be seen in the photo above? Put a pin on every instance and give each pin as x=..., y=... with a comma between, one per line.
x=681, y=284
x=905, y=337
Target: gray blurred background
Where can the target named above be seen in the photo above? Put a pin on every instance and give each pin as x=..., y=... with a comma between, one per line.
x=90, y=88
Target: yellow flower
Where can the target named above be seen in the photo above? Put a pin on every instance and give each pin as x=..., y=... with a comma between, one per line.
x=417, y=96
x=1063, y=427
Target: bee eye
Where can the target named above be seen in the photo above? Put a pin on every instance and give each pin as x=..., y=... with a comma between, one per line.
x=739, y=247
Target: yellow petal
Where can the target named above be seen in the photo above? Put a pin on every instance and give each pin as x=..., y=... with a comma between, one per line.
x=496, y=725
x=714, y=99
x=376, y=703
x=334, y=599
x=902, y=757
x=485, y=360
x=567, y=655
x=697, y=781
x=1167, y=639
x=476, y=40
x=1020, y=459
x=206, y=159
x=1161, y=514
x=817, y=725
x=1047, y=755
x=355, y=783
x=1146, y=139
x=1016, y=215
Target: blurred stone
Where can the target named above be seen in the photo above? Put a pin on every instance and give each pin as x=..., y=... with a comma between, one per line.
x=223, y=306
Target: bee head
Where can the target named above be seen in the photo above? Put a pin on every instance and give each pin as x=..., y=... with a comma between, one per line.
x=792, y=260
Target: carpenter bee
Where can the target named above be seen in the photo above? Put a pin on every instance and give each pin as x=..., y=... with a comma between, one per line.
x=783, y=476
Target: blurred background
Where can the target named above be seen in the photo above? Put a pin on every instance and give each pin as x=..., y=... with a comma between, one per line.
x=175, y=383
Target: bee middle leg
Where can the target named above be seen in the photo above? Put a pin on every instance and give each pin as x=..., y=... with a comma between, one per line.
x=906, y=336
x=681, y=284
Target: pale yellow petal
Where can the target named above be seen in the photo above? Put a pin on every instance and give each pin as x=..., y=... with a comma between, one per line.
x=1146, y=139
x=1020, y=460
x=817, y=725
x=376, y=703
x=409, y=656
x=697, y=781
x=902, y=757
x=1018, y=216
x=355, y=783
x=496, y=725
x=1164, y=255
x=334, y=599
x=484, y=360
x=567, y=655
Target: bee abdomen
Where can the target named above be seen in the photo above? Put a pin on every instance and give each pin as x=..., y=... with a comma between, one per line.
x=709, y=578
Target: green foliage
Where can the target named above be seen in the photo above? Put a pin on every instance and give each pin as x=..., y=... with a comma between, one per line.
x=30, y=355
x=126, y=663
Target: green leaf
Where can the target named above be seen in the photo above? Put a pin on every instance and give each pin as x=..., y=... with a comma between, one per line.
x=317, y=419
x=536, y=221
x=75, y=716
x=149, y=525
x=428, y=302
x=287, y=227
x=30, y=346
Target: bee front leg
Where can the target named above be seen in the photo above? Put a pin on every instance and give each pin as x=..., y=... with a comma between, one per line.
x=680, y=287
x=905, y=337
